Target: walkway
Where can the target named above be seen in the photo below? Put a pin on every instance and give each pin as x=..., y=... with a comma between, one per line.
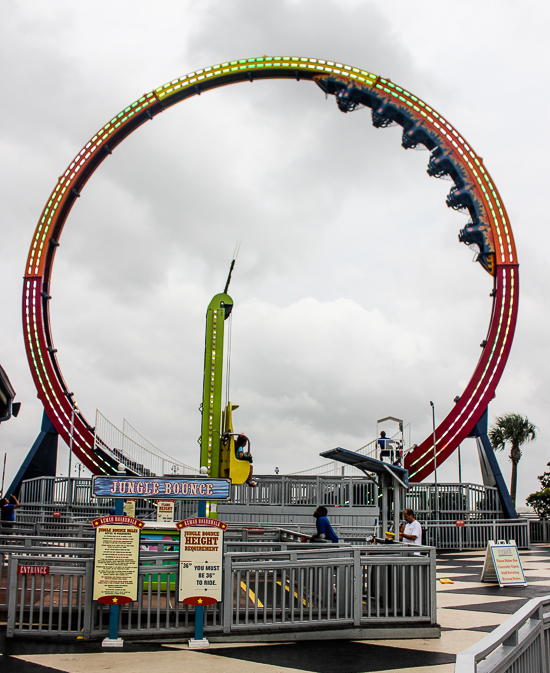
x=467, y=610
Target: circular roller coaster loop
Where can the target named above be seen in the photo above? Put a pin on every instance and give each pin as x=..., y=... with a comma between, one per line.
x=488, y=231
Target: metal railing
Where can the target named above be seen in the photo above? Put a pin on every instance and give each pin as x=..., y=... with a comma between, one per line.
x=475, y=534
x=42, y=496
x=454, y=501
x=429, y=501
x=444, y=502
x=521, y=644
x=539, y=530
x=70, y=528
x=309, y=490
x=334, y=468
x=135, y=451
x=347, y=587
x=49, y=604
x=302, y=587
x=247, y=531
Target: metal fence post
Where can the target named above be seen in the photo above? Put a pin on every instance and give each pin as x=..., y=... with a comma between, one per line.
x=12, y=594
x=431, y=582
x=539, y=617
x=88, y=602
x=228, y=594
x=357, y=587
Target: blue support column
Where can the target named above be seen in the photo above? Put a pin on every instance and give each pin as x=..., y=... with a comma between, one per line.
x=113, y=639
x=41, y=461
x=490, y=469
x=199, y=610
x=113, y=614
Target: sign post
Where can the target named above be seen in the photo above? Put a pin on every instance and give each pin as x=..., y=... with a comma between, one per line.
x=116, y=565
x=200, y=567
x=460, y=523
x=179, y=488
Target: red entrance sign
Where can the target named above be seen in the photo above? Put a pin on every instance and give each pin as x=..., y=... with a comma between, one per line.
x=56, y=515
x=33, y=570
x=460, y=523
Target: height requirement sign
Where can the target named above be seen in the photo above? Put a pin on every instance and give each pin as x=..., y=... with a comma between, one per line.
x=201, y=553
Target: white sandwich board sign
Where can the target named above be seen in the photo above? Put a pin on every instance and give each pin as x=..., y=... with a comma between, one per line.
x=503, y=565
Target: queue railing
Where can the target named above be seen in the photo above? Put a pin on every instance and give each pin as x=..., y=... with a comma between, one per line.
x=539, y=530
x=302, y=587
x=521, y=643
x=475, y=534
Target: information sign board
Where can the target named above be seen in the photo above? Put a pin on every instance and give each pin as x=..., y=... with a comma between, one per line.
x=188, y=488
x=201, y=561
x=130, y=507
x=503, y=565
x=116, y=559
x=165, y=511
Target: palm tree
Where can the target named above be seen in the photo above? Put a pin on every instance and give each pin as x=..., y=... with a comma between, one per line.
x=517, y=430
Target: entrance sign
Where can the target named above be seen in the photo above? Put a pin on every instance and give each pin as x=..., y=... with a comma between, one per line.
x=201, y=561
x=116, y=559
x=165, y=511
x=33, y=570
x=503, y=565
x=189, y=488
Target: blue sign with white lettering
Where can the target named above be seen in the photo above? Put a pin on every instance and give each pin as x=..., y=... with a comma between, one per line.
x=172, y=488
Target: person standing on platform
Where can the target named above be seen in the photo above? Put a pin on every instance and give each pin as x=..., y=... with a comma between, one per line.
x=411, y=532
x=9, y=505
x=324, y=529
x=385, y=446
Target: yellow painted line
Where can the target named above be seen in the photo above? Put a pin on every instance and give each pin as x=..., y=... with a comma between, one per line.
x=252, y=595
x=295, y=594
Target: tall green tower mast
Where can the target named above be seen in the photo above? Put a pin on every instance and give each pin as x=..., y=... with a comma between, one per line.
x=218, y=311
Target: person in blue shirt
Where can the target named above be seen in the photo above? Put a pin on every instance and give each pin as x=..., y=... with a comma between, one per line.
x=385, y=447
x=324, y=529
x=8, y=506
x=241, y=441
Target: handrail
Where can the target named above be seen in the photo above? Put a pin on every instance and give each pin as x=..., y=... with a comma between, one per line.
x=503, y=646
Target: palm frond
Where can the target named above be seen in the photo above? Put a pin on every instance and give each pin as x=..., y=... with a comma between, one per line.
x=512, y=428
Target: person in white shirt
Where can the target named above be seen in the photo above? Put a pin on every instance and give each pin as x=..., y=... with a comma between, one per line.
x=411, y=533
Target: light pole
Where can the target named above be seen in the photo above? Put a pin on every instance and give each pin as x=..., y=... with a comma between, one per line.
x=69, y=491
x=436, y=504
x=435, y=452
x=3, y=475
x=459, y=458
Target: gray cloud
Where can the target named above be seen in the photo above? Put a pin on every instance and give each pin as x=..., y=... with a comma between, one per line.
x=353, y=298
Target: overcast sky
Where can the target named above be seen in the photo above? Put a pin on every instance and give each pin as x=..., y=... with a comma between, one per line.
x=353, y=298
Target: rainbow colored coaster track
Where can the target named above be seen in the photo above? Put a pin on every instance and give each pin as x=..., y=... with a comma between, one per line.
x=488, y=231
